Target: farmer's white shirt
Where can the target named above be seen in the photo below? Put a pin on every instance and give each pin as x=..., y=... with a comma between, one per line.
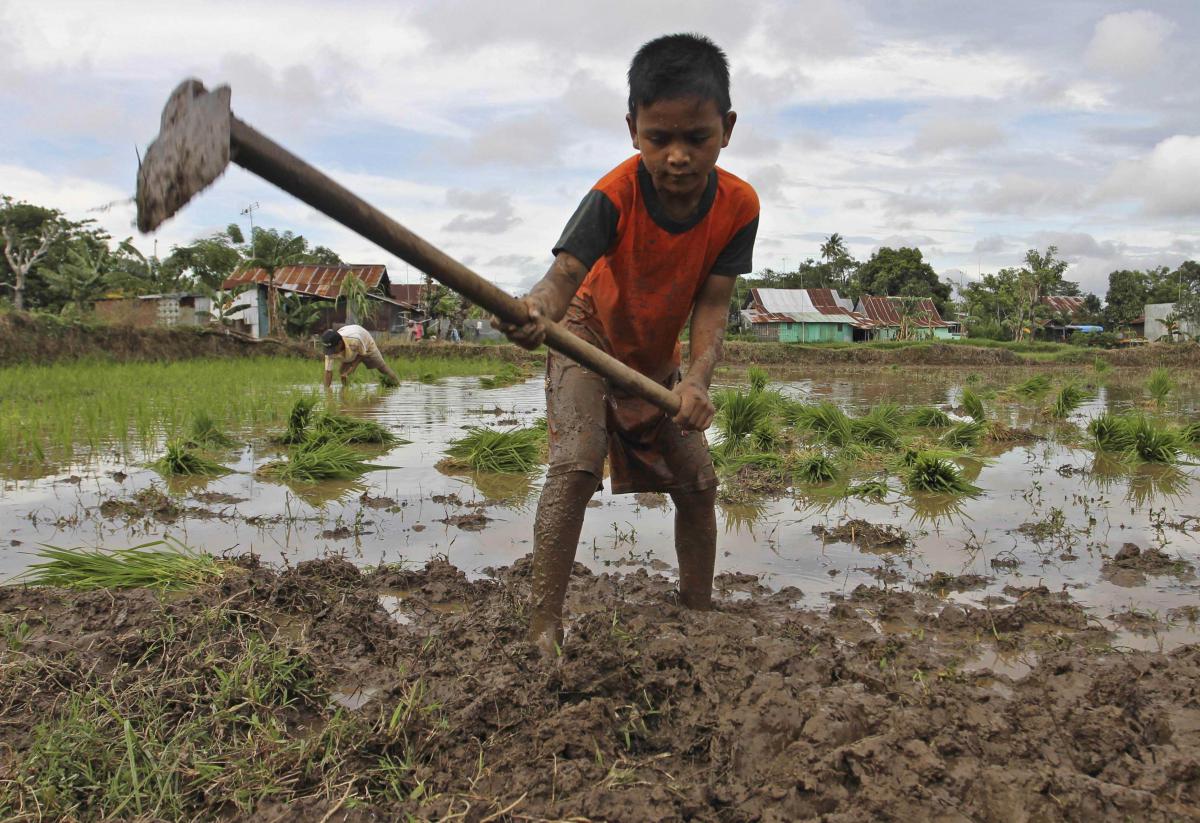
x=359, y=343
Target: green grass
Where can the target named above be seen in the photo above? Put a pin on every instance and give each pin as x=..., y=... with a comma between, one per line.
x=973, y=405
x=516, y=451
x=80, y=410
x=182, y=461
x=935, y=475
x=1100, y=365
x=162, y=564
x=1191, y=433
x=313, y=461
x=1160, y=385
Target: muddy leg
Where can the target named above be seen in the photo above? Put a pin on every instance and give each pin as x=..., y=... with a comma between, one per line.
x=555, y=535
x=696, y=545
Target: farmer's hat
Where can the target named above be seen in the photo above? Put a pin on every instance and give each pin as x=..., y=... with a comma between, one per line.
x=332, y=341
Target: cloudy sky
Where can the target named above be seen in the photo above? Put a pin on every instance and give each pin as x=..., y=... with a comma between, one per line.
x=972, y=130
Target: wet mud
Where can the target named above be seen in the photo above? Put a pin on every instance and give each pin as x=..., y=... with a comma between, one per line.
x=763, y=709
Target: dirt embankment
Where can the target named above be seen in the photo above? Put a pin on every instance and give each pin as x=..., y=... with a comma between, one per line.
x=415, y=694
x=27, y=339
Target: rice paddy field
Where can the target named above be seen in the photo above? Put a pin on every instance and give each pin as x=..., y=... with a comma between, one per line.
x=852, y=494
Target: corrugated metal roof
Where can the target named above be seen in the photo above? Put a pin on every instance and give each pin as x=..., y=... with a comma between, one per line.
x=802, y=306
x=411, y=293
x=319, y=281
x=1062, y=303
x=884, y=311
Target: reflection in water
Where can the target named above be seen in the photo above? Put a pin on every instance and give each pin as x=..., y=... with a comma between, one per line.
x=938, y=509
x=742, y=517
x=1152, y=483
x=327, y=492
x=515, y=491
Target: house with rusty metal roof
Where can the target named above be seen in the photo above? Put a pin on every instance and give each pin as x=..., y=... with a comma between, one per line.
x=803, y=316
x=1066, y=316
x=321, y=283
x=905, y=318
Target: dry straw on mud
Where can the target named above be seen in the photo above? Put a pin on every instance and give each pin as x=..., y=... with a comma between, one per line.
x=162, y=564
x=182, y=461
x=517, y=451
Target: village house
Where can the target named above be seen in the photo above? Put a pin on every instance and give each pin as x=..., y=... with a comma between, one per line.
x=320, y=283
x=176, y=309
x=1066, y=318
x=903, y=318
x=803, y=316
x=1158, y=326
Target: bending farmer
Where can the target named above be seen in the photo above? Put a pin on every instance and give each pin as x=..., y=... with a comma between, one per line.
x=660, y=239
x=352, y=346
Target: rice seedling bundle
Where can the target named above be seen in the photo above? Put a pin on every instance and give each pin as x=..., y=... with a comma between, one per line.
x=312, y=461
x=741, y=414
x=1100, y=365
x=182, y=461
x=874, y=490
x=507, y=375
x=877, y=428
x=973, y=405
x=204, y=432
x=1138, y=436
x=766, y=437
x=516, y=451
x=935, y=475
x=1191, y=432
x=1154, y=443
x=732, y=461
x=302, y=410
x=162, y=564
x=1160, y=386
x=814, y=468
x=1112, y=433
x=828, y=422
x=758, y=378
x=1069, y=398
x=928, y=417
x=1035, y=386
x=964, y=435
x=344, y=429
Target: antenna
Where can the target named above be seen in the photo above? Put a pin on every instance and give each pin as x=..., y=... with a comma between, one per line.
x=249, y=212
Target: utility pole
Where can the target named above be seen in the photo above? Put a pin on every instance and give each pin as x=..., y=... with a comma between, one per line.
x=249, y=212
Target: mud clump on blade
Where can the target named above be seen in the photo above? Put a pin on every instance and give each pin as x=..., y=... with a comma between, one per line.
x=190, y=152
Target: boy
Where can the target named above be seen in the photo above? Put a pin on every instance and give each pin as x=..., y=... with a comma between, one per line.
x=660, y=238
x=353, y=345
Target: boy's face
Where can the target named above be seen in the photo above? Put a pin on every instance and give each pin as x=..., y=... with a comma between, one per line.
x=680, y=141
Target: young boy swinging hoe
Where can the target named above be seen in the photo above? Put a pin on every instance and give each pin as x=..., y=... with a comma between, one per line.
x=660, y=239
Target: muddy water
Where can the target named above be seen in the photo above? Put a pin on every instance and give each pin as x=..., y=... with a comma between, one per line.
x=411, y=511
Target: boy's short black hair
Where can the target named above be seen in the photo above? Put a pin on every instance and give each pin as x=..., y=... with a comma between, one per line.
x=679, y=65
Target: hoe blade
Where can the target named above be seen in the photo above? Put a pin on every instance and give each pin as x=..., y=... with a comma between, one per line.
x=190, y=152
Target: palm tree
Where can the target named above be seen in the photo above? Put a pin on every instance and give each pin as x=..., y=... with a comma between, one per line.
x=833, y=248
x=272, y=251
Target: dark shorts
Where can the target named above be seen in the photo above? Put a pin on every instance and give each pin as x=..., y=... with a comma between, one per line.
x=588, y=419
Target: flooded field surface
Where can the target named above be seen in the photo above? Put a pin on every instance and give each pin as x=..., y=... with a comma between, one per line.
x=1122, y=539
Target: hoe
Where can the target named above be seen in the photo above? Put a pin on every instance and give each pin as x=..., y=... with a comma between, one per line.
x=199, y=137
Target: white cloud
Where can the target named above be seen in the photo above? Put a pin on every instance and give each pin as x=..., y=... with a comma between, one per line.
x=1166, y=181
x=956, y=132
x=1128, y=43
